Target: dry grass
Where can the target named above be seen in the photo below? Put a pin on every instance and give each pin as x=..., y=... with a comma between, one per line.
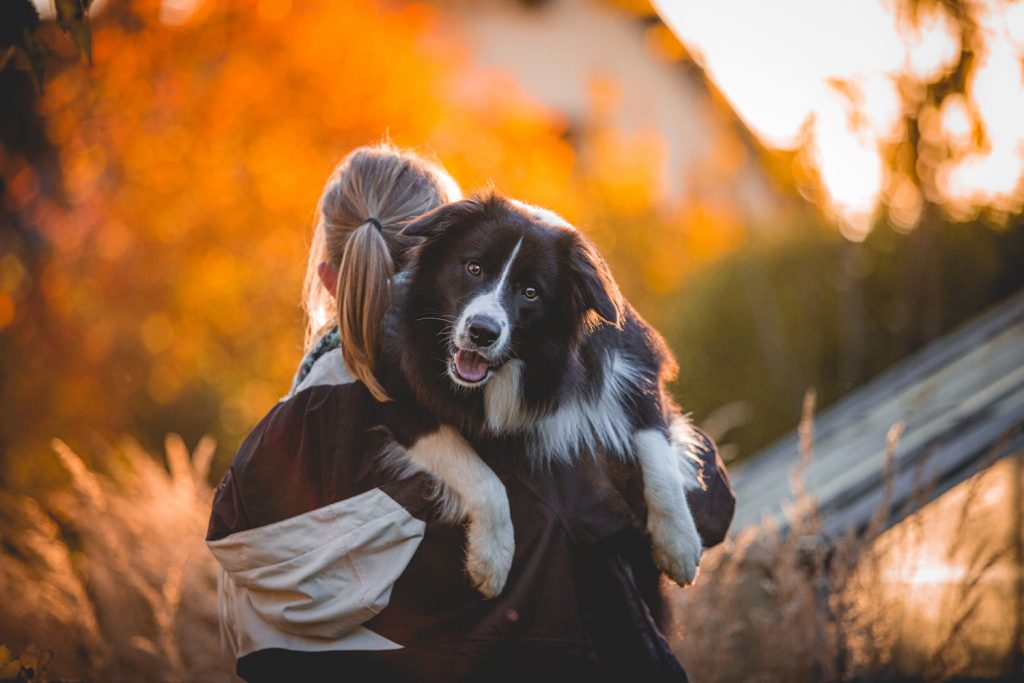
x=108, y=580
x=110, y=575
x=784, y=607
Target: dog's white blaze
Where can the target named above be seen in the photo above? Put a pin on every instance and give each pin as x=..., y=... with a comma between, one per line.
x=503, y=399
x=587, y=424
x=489, y=304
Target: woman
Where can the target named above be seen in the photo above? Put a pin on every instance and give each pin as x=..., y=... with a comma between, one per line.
x=333, y=569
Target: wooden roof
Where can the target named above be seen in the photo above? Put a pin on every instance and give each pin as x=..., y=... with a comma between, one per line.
x=960, y=399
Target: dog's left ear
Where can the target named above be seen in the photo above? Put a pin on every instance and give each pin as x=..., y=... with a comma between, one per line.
x=594, y=288
x=439, y=221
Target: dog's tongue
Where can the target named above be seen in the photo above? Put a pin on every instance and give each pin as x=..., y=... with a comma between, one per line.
x=471, y=366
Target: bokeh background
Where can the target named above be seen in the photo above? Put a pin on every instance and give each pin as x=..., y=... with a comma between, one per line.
x=798, y=194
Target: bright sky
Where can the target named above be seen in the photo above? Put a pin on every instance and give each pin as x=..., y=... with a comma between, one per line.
x=777, y=63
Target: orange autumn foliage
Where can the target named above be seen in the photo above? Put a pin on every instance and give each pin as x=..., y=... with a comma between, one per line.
x=192, y=157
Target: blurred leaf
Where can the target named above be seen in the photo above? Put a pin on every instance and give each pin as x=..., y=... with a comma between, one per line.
x=16, y=18
x=72, y=18
x=31, y=667
x=9, y=668
x=34, y=51
x=234, y=149
x=19, y=33
x=35, y=664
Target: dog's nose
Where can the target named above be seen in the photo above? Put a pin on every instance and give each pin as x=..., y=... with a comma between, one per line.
x=483, y=331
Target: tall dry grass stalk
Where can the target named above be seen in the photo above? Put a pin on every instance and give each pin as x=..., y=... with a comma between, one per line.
x=111, y=573
x=787, y=607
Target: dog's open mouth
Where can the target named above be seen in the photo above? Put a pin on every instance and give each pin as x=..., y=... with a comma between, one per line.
x=470, y=366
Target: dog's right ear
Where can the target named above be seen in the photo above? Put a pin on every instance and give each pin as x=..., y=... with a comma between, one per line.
x=439, y=221
x=594, y=288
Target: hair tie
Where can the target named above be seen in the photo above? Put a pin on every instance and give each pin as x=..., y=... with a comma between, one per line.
x=376, y=224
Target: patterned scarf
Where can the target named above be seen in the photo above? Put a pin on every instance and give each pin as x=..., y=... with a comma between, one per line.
x=330, y=341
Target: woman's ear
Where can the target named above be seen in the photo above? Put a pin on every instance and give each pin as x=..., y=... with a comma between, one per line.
x=328, y=277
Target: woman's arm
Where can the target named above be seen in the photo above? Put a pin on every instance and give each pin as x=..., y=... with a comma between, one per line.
x=309, y=536
x=600, y=503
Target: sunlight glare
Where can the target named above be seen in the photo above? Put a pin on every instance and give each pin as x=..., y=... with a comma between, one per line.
x=1015, y=24
x=880, y=98
x=773, y=61
x=956, y=121
x=177, y=12
x=934, y=571
x=932, y=47
x=850, y=169
x=780, y=65
x=993, y=175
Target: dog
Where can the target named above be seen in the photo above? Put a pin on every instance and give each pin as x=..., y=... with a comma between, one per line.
x=509, y=324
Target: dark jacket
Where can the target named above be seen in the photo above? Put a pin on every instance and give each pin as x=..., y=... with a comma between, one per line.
x=332, y=569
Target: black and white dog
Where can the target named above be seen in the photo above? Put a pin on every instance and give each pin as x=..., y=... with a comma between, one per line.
x=511, y=325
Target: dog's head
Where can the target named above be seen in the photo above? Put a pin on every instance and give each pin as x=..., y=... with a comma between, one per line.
x=496, y=280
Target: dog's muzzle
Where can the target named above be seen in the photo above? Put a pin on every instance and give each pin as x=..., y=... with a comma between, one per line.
x=475, y=346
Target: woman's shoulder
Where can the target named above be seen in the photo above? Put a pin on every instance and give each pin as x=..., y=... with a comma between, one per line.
x=312, y=449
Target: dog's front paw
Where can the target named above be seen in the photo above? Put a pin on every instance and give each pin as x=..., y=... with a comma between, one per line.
x=677, y=546
x=489, y=555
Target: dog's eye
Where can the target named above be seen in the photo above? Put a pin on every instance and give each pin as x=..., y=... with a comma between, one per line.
x=474, y=268
x=530, y=293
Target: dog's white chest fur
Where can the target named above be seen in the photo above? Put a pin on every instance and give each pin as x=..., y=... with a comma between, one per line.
x=503, y=400
x=579, y=424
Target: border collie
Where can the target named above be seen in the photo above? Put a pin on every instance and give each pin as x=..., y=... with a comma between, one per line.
x=510, y=325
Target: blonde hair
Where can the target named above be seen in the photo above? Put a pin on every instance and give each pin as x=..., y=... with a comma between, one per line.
x=361, y=212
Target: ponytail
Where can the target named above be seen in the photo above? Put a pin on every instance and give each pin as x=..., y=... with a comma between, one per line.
x=368, y=197
x=363, y=296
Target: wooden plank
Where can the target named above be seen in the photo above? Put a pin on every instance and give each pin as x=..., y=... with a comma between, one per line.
x=957, y=397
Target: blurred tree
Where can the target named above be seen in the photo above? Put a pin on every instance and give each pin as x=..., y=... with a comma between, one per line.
x=163, y=201
x=171, y=229
x=918, y=197
x=23, y=40
x=173, y=221
x=758, y=327
x=913, y=157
